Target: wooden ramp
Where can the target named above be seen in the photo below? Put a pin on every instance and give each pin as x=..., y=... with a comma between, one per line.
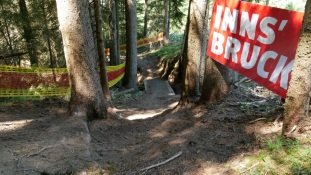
x=157, y=87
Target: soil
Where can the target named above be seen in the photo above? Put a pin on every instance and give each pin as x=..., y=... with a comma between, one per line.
x=39, y=137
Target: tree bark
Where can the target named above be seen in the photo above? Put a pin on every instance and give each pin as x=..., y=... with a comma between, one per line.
x=300, y=83
x=8, y=39
x=7, y=36
x=87, y=99
x=47, y=35
x=101, y=50
x=166, y=33
x=215, y=86
x=114, y=48
x=28, y=35
x=215, y=80
x=146, y=18
x=130, y=76
x=194, y=49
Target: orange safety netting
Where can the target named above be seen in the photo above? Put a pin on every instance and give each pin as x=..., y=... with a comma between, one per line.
x=25, y=82
x=141, y=42
x=43, y=82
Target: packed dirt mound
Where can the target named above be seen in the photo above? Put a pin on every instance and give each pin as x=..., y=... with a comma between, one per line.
x=38, y=138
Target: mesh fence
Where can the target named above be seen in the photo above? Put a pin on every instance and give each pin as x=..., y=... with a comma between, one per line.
x=43, y=82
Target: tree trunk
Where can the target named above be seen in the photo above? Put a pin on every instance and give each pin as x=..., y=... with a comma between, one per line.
x=47, y=34
x=28, y=35
x=7, y=35
x=166, y=33
x=214, y=85
x=87, y=98
x=194, y=51
x=101, y=50
x=130, y=76
x=215, y=80
x=114, y=49
x=146, y=18
x=300, y=83
x=267, y=2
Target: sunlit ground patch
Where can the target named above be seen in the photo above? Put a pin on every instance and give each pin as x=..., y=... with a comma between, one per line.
x=14, y=125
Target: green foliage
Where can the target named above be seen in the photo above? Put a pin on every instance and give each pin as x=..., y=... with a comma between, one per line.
x=256, y=1
x=274, y=145
x=177, y=9
x=127, y=96
x=283, y=156
x=11, y=32
x=176, y=38
x=44, y=27
x=169, y=52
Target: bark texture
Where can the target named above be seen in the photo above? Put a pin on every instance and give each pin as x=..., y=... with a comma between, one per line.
x=114, y=47
x=101, y=50
x=47, y=35
x=194, y=51
x=146, y=18
x=130, y=76
x=215, y=86
x=86, y=95
x=215, y=80
x=299, y=87
x=28, y=35
x=166, y=34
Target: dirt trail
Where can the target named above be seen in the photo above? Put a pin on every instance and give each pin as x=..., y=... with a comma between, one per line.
x=39, y=137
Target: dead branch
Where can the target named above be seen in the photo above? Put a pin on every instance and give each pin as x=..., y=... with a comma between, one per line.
x=236, y=84
x=253, y=166
x=40, y=151
x=292, y=130
x=259, y=119
x=161, y=163
x=254, y=103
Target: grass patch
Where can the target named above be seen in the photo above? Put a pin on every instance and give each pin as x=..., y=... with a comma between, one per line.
x=169, y=52
x=282, y=156
x=8, y=101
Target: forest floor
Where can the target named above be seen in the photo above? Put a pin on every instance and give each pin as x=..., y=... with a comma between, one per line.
x=235, y=136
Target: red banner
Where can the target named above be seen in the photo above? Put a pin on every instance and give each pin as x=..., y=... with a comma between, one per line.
x=257, y=41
